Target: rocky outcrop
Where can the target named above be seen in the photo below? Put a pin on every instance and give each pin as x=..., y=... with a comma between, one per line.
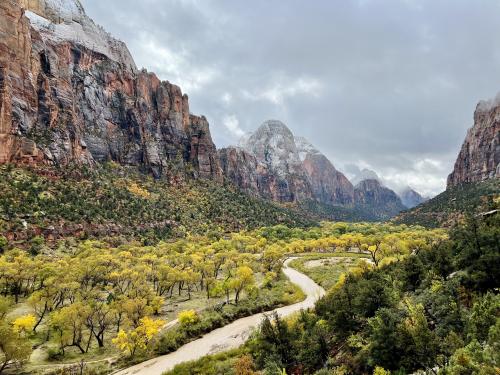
x=274, y=164
x=479, y=157
x=410, y=198
x=381, y=201
x=280, y=172
x=70, y=93
x=240, y=167
x=328, y=185
x=365, y=174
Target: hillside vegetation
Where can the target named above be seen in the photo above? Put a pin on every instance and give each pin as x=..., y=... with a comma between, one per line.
x=116, y=201
x=90, y=300
x=451, y=206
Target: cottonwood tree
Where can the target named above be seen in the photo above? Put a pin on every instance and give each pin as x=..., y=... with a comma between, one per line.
x=138, y=338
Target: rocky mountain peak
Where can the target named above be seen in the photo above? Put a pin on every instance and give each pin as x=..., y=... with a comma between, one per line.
x=305, y=148
x=411, y=198
x=273, y=144
x=371, y=195
x=288, y=167
x=479, y=157
x=365, y=174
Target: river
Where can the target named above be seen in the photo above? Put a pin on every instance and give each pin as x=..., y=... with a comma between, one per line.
x=230, y=336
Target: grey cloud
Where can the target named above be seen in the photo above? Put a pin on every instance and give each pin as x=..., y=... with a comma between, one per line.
x=390, y=85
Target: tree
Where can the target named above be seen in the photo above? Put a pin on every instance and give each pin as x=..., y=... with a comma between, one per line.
x=381, y=371
x=139, y=338
x=243, y=279
x=423, y=345
x=375, y=249
x=99, y=319
x=14, y=346
x=384, y=340
x=484, y=314
x=272, y=259
x=42, y=302
x=244, y=366
x=5, y=304
x=23, y=324
x=69, y=324
x=274, y=343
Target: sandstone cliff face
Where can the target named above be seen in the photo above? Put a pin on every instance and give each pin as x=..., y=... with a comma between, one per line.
x=381, y=201
x=329, y=186
x=479, y=158
x=240, y=167
x=70, y=93
x=279, y=168
x=274, y=164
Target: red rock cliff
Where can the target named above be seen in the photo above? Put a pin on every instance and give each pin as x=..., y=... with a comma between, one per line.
x=479, y=158
x=70, y=93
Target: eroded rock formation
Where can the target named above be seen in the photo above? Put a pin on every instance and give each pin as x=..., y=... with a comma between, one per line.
x=370, y=195
x=479, y=157
x=329, y=186
x=274, y=164
x=70, y=93
x=280, y=172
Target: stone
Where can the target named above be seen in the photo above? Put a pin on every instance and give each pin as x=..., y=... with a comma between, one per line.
x=371, y=195
x=274, y=164
x=74, y=95
x=479, y=157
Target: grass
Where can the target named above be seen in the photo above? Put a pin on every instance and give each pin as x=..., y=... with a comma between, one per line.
x=280, y=293
x=221, y=363
x=212, y=315
x=326, y=274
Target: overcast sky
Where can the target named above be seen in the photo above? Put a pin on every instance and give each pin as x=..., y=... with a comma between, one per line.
x=388, y=85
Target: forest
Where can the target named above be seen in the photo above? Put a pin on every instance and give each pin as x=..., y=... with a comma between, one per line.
x=433, y=310
x=118, y=302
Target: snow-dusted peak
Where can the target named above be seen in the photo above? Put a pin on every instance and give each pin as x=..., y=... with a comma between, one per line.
x=275, y=126
x=410, y=197
x=273, y=144
x=65, y=21
x=59, y=11
x=304, y=148
x=365, y=174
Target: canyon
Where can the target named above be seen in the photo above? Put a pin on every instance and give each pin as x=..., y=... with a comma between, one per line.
x=71, y=94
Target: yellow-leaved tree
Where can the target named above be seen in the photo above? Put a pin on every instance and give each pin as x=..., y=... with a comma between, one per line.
x=188, y=317
x=381, y=371
x=24, y=324
x=139, y=338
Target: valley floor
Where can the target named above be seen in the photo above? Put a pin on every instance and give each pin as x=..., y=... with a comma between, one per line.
x=230, y=336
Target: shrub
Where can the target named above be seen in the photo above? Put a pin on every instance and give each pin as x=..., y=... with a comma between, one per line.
x=188, y=317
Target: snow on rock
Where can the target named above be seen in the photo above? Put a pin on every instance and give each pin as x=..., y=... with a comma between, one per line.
x=65, y=20
x=66, y=10
x=273, y=144
x=304, y=147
